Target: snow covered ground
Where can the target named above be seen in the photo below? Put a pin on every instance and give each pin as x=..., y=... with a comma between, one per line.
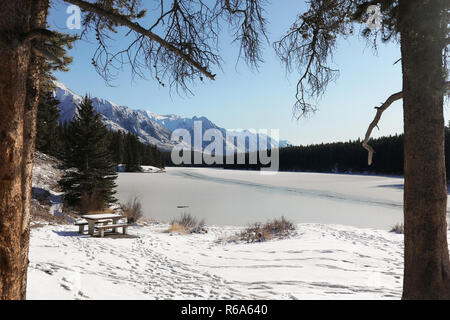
x=318, y=262
x=327, y=258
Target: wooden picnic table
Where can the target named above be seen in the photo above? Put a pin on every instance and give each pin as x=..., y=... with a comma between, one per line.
x=92, y=219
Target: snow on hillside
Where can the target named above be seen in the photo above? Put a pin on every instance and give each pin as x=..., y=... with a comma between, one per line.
x=319, y=262
x=116, y=117
x=45, y=172
x=153, y=128
x=47, y=198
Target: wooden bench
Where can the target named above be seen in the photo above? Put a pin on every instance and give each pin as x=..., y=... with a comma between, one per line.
x=101, y=229
x=81, y=225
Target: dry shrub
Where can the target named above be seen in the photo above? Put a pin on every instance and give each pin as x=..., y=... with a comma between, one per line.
x=92, y=202
x=187, y=224
x=175, y=227
x=146, y=221
x=132, y=209
x=398, y=228
x=258, y=232
x=41, y=213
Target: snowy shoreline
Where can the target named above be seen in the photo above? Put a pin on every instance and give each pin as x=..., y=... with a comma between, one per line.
x=318, y=262
x=232, y=197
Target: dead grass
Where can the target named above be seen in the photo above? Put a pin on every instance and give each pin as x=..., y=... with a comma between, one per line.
x=146, y=221
x=132, y=209
x=398, y=228
x=175, y=227
x=40, y=215
x=187, y=224
x=259, y=232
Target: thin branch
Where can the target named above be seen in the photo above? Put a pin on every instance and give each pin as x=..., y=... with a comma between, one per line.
x=394, y=97
x=374, y=123
x=124, y=21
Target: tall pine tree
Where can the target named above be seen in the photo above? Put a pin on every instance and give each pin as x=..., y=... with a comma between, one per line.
x=90, y=169
x=47, y=135
x=132, y=154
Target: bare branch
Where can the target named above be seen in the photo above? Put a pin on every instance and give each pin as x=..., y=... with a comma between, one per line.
x=247, y=19
x=124, y=21
x=394, y=97
x=308, y=47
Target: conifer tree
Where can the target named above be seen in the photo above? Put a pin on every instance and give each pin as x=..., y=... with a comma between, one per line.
x=90, y=169
x=48, y=136
x=117, y=147
x=132, y=154
x=48, y=139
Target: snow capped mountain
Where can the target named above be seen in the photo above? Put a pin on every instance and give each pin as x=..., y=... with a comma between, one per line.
x=158, y=129
x=284, y=144
x=116, y=117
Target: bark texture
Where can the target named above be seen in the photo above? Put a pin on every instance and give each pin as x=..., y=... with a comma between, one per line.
x=19, y=91
x=426, y=273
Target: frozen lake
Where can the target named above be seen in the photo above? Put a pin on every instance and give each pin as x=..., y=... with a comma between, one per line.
x=231, y=197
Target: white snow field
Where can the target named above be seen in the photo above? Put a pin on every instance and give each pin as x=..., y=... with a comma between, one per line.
x=232, y=197
x=318, y=262
x=341, y=250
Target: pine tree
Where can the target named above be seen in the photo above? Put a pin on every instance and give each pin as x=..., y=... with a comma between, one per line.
x=48, y=136
x=132, y=154
x=90, y=170
x=116, y=146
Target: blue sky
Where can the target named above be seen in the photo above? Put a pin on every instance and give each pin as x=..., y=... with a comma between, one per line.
x=242, y=98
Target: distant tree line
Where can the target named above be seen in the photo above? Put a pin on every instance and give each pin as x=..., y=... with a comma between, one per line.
x=337, y=157
x=127, y=149
x=345, y=157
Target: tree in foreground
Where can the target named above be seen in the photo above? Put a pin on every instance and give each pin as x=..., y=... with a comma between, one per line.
x=89, y=180
x=421, y=29
x=180, y=47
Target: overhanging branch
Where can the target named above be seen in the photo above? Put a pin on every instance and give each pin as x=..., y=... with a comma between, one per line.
x=124, y=21
x=374, y=123
x=394, y=97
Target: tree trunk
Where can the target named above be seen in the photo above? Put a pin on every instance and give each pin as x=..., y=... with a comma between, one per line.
x=19, y=90
x=426, y=273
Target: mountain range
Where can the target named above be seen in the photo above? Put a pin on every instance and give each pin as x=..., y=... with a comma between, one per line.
x=161, y=130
